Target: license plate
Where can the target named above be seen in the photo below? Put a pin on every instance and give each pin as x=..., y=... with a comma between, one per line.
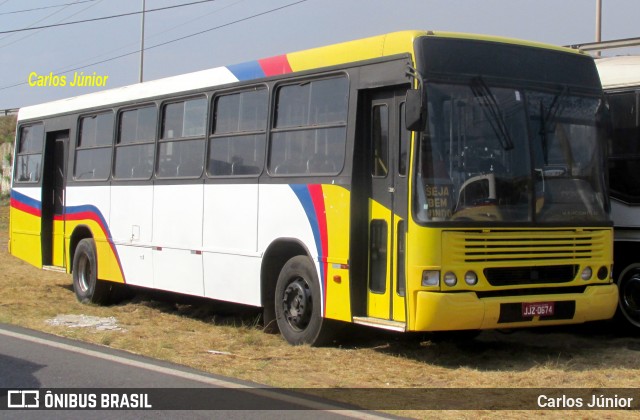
x=538, y=309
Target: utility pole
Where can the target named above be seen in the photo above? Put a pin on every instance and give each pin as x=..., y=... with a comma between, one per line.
x=598, y=23
x=142, y=44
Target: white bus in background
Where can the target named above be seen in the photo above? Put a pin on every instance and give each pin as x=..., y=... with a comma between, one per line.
x=620, y=77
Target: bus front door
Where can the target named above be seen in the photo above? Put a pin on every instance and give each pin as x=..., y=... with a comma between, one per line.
x=387, y=209
x=53, y=198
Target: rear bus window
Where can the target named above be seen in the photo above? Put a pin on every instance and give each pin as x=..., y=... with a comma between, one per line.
x=29, y=154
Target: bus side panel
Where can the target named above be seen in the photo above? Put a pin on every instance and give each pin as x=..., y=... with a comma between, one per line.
x=232, y=278
x=177, y=238
x=337, y=209
x=59, y=258
x=131, y=220
x=230, y=231
x=26, y=225
x=286, y=212
x=317, y=216
x=95, y=217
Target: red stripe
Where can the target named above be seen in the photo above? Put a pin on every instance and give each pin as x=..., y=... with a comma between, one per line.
x=274, y=66
x=87, y=215
x=25, y=208
x=317, y=197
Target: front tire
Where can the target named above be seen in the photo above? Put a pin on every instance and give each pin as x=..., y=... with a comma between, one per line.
x=629, y=296
x=86, y=285
x=298, y=304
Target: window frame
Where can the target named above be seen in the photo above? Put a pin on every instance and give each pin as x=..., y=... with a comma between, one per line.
x=80, y=148
x=28, y=153
x=212, y=135
x=274, y=130
x=117, y=141
x=182, y=139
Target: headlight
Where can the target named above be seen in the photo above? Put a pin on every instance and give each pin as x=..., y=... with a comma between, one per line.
x=450, y=279
x=431, y=278
x=471, y=278
x=603, y=273
x=586, y=273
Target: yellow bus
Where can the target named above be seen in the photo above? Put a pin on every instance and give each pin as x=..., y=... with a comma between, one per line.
x=413, y=181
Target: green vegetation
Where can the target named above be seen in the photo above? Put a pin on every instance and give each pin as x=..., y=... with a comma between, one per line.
x=7, y=128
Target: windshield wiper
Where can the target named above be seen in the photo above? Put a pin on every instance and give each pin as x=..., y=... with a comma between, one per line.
x=492, y=111
x=549, y=116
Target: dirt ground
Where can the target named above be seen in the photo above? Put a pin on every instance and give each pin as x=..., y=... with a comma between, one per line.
x=229, y=340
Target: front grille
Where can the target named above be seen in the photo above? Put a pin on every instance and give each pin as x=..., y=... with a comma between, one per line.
x=509, y=276
x=504, y=246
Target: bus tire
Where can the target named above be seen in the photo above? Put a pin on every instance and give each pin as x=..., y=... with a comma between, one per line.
x=298, y=304
x=86, y=285
x=629, y=296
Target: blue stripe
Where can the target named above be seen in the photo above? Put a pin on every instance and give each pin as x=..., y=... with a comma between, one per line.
x=247, y=71
x=26, y=200
x=302, y=192
x=87, y=208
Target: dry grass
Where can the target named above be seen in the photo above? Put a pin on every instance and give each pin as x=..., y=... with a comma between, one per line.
x=184, y=333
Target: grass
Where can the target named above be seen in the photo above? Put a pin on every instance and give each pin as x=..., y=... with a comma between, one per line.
x=228, y=340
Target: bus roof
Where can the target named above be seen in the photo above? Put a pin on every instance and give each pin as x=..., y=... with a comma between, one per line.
x=351, y=51
x=620, y=71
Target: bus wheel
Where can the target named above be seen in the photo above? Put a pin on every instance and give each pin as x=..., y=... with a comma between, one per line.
x=629, y=292
x=298, y=304
x=86, y=285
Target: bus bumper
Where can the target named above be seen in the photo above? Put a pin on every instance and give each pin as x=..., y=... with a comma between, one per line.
x=438, y=311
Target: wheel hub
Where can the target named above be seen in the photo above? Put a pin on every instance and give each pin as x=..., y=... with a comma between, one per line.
x=297, y=304
x=84, y=271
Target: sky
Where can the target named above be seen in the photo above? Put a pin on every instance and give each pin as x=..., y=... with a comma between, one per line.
x=236, y=31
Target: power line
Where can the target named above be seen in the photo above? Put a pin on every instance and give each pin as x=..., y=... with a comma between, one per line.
x=168, y=42
x=45, y=7
x=104, y=17
x=124, y=47
x=55, y=12
x=48, y=16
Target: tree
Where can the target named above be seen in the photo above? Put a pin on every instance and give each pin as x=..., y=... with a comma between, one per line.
x=7, y=128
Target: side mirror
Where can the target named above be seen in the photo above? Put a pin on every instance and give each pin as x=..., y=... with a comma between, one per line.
x=415, y=111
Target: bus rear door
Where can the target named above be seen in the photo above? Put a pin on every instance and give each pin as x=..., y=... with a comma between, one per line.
x=56, y=144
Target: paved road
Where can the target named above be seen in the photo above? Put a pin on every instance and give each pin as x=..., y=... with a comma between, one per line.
x=34, y=360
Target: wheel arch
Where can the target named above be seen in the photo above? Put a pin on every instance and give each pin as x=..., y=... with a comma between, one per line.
x=79, y=233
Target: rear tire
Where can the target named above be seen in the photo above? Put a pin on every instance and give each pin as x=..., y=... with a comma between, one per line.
x=629, y=296
x=298, y=304
x=86, y=285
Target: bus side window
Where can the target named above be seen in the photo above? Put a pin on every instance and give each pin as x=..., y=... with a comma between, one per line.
x=181, y=145
x=309, y=133
x=135, y=143
x=237, y=141
x=624, y=146
x=94, y=147
x=29, y=156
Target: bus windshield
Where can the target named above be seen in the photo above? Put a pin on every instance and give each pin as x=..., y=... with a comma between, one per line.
x=502, y=154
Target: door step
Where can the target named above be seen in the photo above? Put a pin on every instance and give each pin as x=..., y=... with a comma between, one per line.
x=380, y=323
x=54, y=268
